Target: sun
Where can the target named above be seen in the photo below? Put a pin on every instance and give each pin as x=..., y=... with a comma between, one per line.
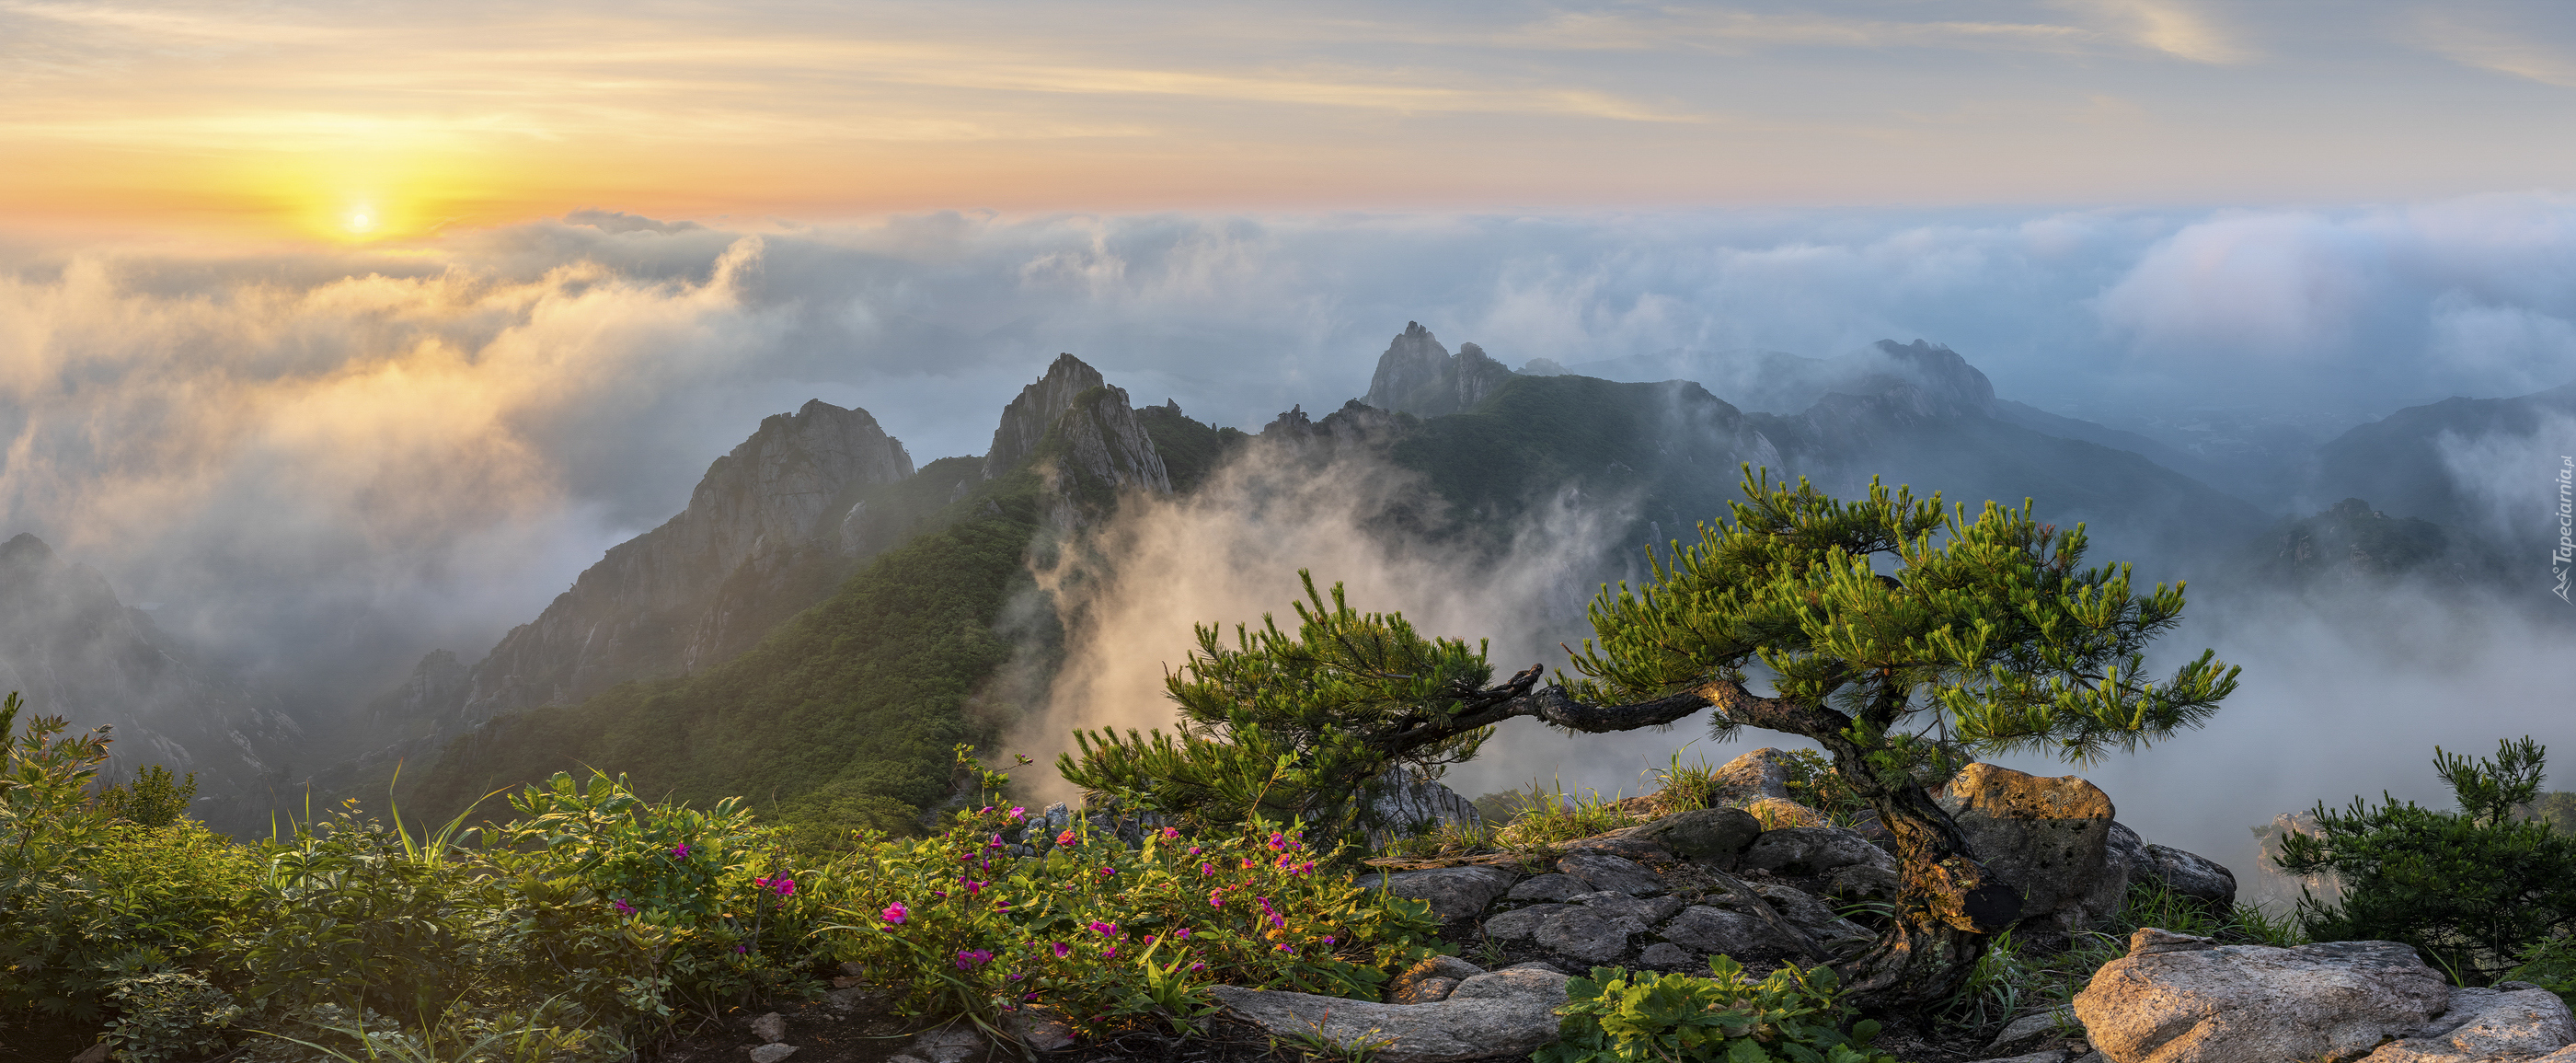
x=360, y=222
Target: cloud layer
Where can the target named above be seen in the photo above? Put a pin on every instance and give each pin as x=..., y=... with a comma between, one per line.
x=326, y=463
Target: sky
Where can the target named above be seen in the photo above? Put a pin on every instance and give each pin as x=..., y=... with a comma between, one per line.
x=334, y=334
x=385, y=121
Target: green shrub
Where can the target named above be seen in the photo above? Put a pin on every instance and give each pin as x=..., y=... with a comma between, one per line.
x=2551, y=965
x=169, y=1016
x=1618, y=1016
x=1563, y=817
x=1108, y=936
x=2470, y=890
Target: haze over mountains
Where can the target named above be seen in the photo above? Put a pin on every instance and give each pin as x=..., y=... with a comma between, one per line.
x=808, y=540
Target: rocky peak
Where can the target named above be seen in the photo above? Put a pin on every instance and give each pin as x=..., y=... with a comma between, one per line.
x=25, y=549
x=775, y=486
x=1944, y=383
x=1037, y=408
x=1418, y=376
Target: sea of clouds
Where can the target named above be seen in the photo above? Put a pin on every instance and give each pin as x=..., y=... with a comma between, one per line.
x=322, y=463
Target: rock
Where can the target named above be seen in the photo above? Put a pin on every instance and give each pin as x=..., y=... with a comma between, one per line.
x=1424, y=991
x=1535, y=965
x=1666, y=956
x=2484, y=1024
x=772, y=1053
x=1616, y=874
x=1633, y=914
x=1454, y=892
x=2126, y=847
x=853, y=969
x=1405, y=806
x=2179, y=999
x=1549, y=887
x=1811, y=915
x=1621, y=843
x=1520, y=924
x=2028, y=1028
x=852, y=998
x=953, y=1043
x=1038, y=1029
x=2048, y=837
x=1418, y=376
x=1756, y=775
x=771, y=1028
x=1863, y=882
x=1803, y=852
x=1705, y=930
x=1579, y=933
x=96, y=1053
x=1712, y=835
x=2045, y=1055
x=2191, y=875
x=1452, y=968
x=1502, y=1013
x=1777, y=813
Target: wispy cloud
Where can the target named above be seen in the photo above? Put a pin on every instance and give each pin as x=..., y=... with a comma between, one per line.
x=1742, y=30
x=2501, y=50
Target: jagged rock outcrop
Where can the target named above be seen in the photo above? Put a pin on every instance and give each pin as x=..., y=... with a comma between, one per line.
x=1086, y=439
x=2353, y=544
x=1418, y=376
x=71, y=649
x=2181, y=999
x=2047, y=836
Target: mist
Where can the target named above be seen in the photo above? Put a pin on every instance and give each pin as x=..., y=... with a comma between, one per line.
x=319, y=464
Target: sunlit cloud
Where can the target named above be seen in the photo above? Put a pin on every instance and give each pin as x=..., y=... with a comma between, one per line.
x=2486, y=48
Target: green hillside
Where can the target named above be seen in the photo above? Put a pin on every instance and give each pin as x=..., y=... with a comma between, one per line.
x=847, y=712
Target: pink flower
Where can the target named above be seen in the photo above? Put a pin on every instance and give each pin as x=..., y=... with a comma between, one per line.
x=1108, y=871
x=896, y=913
x=969, y=959
x=621, y=905
x=1206, y=868
x=1216, y=897
x=988, y=810
x=1146, y=940
x=1109, y=953
x=1283, y=947
x=1065, y=838
x=1278, y=920
x=1278, y=841
x=680, y=851
x=1061, y=949
x=1194, y=850
x=1247, y=861
x=1104, y=929
x=996, y=843
x=1306, y=868
x=1182, y=933
x=1328, y=941
x=972, y=887
x=1170, y=833
x=1001, y=906
x=785, y=886
x=742, y=948
x=1198, y=967
x=1016, y=813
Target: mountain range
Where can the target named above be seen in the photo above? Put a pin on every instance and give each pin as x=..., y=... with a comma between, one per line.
x=824, y=620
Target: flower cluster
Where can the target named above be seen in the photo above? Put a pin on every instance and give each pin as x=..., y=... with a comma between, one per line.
x=1106, y=934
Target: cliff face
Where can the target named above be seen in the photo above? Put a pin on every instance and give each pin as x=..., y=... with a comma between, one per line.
x=1418, y=376
x=71, y=649
x=1086, y=439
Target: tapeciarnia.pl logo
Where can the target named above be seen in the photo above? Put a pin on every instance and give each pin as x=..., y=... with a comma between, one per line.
x=2561, y=558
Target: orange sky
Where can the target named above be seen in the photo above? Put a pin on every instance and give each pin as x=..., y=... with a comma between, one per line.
x=357, y=122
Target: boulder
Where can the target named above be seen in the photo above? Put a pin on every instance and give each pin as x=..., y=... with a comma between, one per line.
x=1623, y=843
x=1548, y=887
x=1666, y=956
x=2025, y=1030
x=1037, y=1028
x=1863, y=882
x=1810, y=915
x=2181, y=999
x=770, y=1028
x=1501, y=1013
x=1582, y=934
x=1756, y=775
x=1454, y=892
x=1423, y=991
x=1616, y=874
x=1705, y=930
x=1450, y=967
x=772, y=1053
x=1633, y=914
x=1712, y=835
x=1804, y=852
x=2191, y=875
x=2484, y=1024
x=2048, y=837
x=1778, y=813
x=1520, y=924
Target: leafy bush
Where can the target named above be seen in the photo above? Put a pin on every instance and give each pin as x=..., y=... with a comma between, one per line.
x=2470, y=890
x=2551, y=965
x=172, y=1015
x=1618, y=1016
x=1107, y=936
